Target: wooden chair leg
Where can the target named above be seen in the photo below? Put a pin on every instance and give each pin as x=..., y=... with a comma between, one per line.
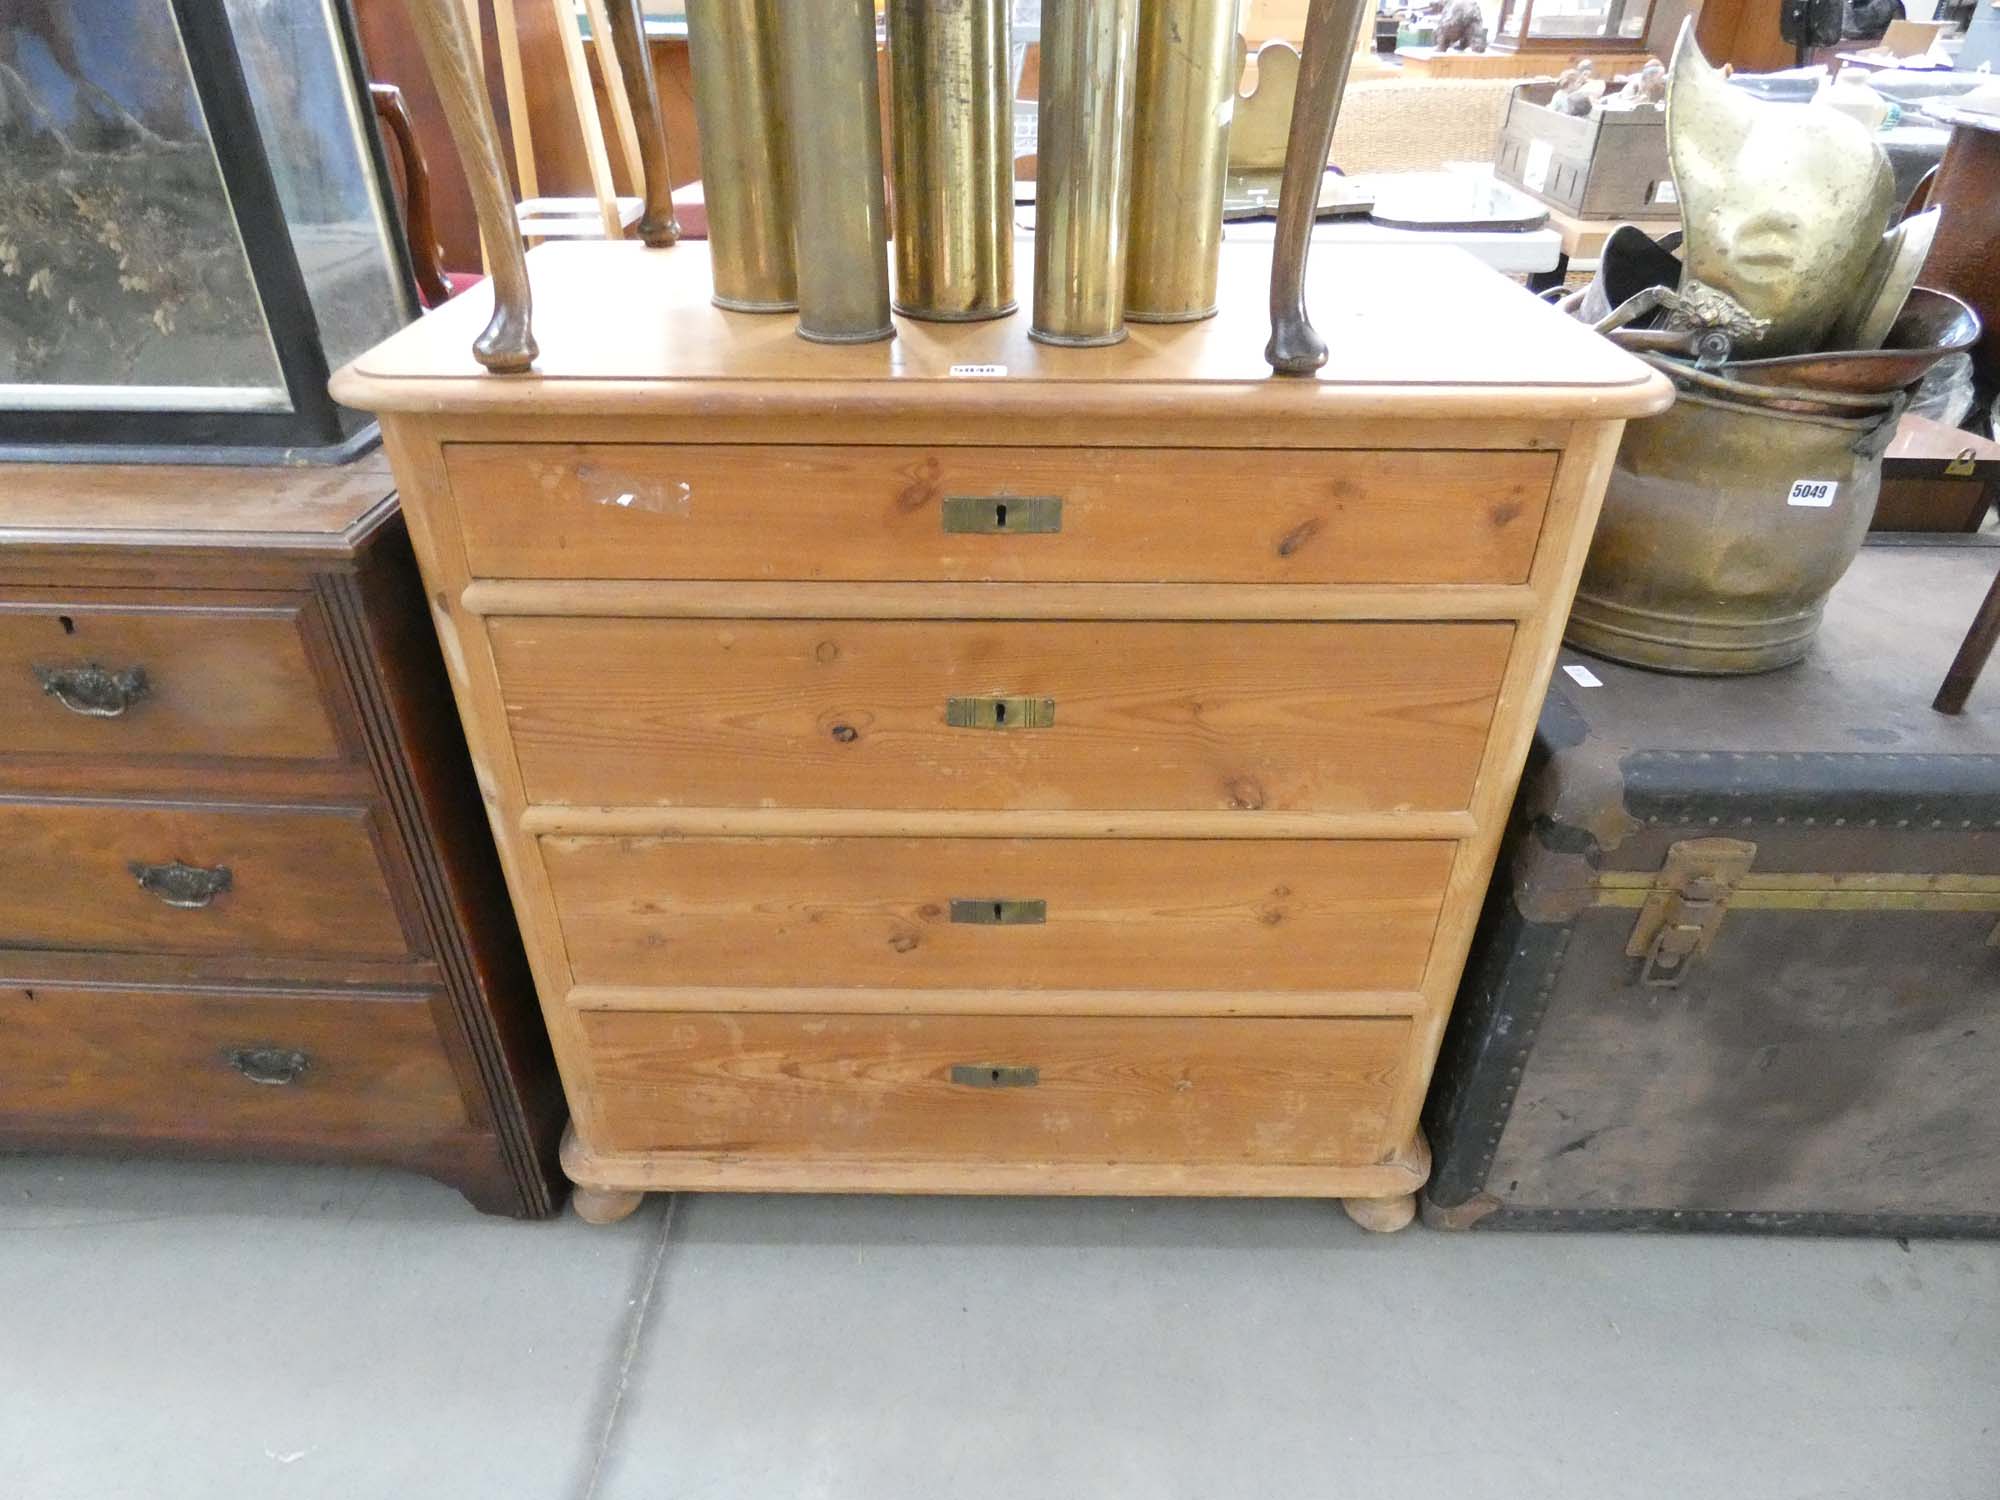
x=1324, y=60
x=657, y=226
x=507, y=346
x=1972, y=654
x=595, y=153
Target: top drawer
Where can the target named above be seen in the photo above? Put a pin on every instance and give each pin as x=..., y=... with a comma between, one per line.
x=159, y=680
x=1241, y=515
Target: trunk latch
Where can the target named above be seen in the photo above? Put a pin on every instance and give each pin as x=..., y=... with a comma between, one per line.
x=1684, y=910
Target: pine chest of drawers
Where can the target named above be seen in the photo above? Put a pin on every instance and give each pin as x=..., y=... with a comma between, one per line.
x=958, y=765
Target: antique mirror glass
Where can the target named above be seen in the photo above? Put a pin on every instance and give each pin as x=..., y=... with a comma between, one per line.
x=124, y=282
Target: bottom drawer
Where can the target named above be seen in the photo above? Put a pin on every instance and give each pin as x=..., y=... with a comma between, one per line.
x=1002, y=1089
x=216, y=1065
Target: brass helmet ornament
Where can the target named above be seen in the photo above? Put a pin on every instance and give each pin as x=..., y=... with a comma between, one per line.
x=1782, y=206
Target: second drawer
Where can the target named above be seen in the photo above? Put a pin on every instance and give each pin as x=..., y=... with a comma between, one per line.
x=177, y=878
x=1003, y=914
x=1347, y=717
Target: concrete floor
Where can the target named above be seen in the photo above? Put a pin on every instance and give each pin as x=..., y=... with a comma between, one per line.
x=215, y=1332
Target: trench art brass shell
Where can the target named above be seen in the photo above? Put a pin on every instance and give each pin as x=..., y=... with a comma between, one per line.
x=951, y=155
x=745, y=153
x=1185, y=94
x=1083, y=169
x=826, y=51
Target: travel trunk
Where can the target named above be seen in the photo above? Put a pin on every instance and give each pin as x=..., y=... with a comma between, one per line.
x=1738, y=966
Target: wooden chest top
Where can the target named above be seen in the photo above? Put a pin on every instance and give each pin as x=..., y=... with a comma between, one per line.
x=1415, y=332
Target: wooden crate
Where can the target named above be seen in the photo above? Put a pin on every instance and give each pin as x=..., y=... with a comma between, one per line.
x=1606, y=166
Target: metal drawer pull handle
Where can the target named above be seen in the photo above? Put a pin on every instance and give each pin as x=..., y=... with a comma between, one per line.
x=1004, y=515
x=271, y=1066
x=985, y=912
x=1000, y=713
x=995, y=1076
x=94, y=691
x=186, y=886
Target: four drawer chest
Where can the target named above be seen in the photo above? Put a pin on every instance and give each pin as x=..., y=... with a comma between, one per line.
x=960, y=765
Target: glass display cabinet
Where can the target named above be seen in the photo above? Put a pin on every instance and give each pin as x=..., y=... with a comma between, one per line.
x=195, y=228
x=1573, y=25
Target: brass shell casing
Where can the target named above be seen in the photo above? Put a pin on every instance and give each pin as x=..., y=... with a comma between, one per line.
x=1083, y=170
x=951, y=158
x=746, y=158
x=1186, y=92
x=826, y=55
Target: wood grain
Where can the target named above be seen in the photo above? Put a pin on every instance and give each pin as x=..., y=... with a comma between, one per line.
x=1107, y=1090
x=1242, y=717
x=295, y=727
x=303, y=880
x=714, y=512
x=627, y=329
x=111, y=1064
x=234, y=683
x=642, y=914
x=49, y=503
x=1121, y=914
x=731, y=1172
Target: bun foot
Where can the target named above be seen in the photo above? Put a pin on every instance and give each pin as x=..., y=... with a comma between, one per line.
x=1382, y=1215
x=603, y=1206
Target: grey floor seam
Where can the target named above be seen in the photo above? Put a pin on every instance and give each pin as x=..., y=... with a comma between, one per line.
x=635, y=1334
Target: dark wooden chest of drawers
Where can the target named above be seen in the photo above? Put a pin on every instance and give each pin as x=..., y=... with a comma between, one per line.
x=249, y=903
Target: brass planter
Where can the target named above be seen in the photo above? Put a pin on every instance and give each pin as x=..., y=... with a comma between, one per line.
x=1083, y=170
x=1185, y=94
x=952, y=158
x=1726, y=523
x=826, y=56
x=746, y=159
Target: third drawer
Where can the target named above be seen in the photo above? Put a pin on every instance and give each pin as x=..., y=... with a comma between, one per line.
x=1336, y=717
x=996, y=913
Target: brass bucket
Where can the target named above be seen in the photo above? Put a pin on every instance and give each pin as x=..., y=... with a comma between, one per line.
x=952, y=159
x=1727, y=521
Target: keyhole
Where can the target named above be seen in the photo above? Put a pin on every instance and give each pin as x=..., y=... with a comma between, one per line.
x=1000, y=713
x=996, y=917
x=996, y=1075
x=68, y=625
x=1000, y=516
